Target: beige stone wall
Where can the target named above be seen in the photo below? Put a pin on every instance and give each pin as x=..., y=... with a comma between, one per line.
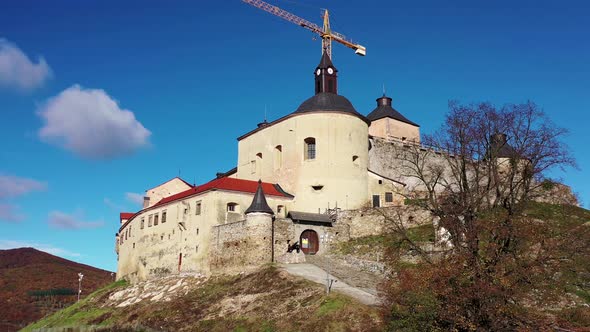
x=339, y=138
x=166, y=189
x=385, y=159
x=156, y=249
x=241, y=245
x=365, y=222
x=379, y=185
x=391, y=128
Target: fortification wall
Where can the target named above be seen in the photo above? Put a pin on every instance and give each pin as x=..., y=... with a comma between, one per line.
x=241, y=245
x=365, y=222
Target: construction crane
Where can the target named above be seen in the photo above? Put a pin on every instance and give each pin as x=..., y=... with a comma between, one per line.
x=325, y=33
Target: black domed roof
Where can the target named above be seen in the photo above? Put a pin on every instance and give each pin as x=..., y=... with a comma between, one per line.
x=329, y=102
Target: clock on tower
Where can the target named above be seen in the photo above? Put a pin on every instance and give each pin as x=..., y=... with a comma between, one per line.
x=326, y=76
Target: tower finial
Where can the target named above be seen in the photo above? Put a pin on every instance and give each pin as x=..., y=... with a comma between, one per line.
x=383, y=89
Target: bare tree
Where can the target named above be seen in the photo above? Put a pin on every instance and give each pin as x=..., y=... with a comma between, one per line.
x=476, y=176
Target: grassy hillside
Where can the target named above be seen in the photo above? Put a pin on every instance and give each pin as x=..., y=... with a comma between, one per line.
x=34, y=283
x=266, y=300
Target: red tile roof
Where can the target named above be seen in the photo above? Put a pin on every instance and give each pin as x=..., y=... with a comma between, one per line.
x=231, y=184
x=126, y=215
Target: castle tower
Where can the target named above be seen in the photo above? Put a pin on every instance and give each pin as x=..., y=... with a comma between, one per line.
x=387, y=122
x=318, y=153
x=259, y=218
x=326, y=77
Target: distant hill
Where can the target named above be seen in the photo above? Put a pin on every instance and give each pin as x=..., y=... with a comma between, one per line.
x=34, y=283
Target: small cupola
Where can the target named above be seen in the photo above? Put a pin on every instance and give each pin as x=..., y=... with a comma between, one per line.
x=384, y=101
x=259, y=203
x=326, y=77
x=385, y=110
x=500, y=148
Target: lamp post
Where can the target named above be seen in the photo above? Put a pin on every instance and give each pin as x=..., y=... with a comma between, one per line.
x=326, y=239
x=80, y=277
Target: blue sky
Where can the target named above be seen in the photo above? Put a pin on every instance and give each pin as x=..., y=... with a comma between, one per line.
x=102, y=99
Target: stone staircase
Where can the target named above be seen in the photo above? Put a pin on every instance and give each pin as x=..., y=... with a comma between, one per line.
x=338, y=267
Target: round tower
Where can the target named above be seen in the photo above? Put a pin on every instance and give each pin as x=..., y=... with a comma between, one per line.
x=333, y=138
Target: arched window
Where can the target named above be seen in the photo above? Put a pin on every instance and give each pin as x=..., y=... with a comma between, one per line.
x=233, y=207
x=278, y=156
x=310, y=150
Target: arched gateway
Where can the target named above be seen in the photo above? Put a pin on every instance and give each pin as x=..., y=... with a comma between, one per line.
x=310, y=244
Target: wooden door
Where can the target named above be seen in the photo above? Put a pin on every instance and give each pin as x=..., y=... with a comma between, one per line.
x=309, y=242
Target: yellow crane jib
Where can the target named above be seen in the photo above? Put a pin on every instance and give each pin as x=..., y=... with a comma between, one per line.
x=324, y=32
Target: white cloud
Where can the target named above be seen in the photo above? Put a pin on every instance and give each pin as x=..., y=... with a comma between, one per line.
x=64, y=220
x=17, y=70
x=135, y=198
x=8, y=212
x=91, y=124
x=10, y=244
x=13, y=186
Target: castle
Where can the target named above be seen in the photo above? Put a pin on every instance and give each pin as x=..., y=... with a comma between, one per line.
x=292, y=175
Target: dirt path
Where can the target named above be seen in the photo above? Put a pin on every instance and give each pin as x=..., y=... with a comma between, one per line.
x=316, y=274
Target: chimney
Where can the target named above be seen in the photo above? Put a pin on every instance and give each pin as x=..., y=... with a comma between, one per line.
x=146, y=201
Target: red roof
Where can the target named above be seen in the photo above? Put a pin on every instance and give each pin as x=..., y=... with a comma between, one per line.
x=126, y=215
x=231, y=184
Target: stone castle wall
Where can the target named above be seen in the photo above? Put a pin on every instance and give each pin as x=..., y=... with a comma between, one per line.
x=241, y=245
x=365, y=222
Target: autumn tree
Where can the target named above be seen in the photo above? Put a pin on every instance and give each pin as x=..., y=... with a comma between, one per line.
x=477, y=175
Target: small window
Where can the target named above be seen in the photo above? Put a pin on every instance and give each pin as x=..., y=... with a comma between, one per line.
x=198, y=208
x=142, y=223
x=388, y=197
x=310, y=148
x=156, y=217
x=317, y=188
x=150, y=218
x=380, y=181
x=163, y=217
x=197, y=231
x=280, y=208
x=161, y=237
x=133, y=245
x=355, y=160
x=232, y=207
x=186, y=210
x=278, y=156
x=259, y=163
